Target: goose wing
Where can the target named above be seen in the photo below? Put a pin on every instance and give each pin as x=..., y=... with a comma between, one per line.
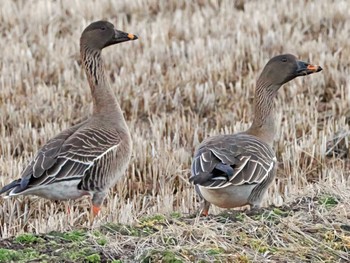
x=226, y=160
x=68, y=156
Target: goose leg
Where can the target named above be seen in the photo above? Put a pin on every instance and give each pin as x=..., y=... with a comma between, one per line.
x=205, y=205
x=95, y=210
x=68, y=205
x=97, y=200
x=205, y=208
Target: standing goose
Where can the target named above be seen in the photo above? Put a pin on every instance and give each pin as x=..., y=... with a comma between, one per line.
x=236, y=170
x=90, y=157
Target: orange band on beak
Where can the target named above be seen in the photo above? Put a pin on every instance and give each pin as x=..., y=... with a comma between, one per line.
x=312, y=67
x=131, y=36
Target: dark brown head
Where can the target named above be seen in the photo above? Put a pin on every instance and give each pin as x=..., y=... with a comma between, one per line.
x=101, y=34
x=283, y=68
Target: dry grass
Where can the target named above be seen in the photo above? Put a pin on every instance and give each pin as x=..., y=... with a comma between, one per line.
x=190, y=75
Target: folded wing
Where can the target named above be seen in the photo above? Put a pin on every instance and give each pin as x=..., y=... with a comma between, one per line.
x=69, y=156
x=227, y=160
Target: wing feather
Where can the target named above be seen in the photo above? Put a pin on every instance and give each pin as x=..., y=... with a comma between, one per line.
x=251, y=161
x=71, y=154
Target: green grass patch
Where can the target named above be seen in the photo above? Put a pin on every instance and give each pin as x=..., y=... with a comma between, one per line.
x=152, y=220
x=328, y=201
x=80, y=254
x=272, y=216
x=100, y=238
x=25, y=255
x=215, y=251
x=73, y=236
x=94, y=258
x=8, y=255
x=259, y=245
x=175, y=215
x=124, y=230
x=165, y=256
x=28, y=238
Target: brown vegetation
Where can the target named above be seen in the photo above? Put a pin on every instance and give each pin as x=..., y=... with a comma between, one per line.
x=191, y=74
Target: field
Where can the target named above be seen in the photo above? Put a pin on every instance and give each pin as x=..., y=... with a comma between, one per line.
x=191, y=74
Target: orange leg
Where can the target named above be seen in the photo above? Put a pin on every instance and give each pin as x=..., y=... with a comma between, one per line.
x=67, y=205
x=204, y=212
x=96, y=201
x=205, y=209
x=95, y=210
x=205, y=204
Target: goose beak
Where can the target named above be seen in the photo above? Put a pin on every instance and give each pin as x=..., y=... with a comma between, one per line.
x=121, y=36
x=132, y=36
x=305, y=68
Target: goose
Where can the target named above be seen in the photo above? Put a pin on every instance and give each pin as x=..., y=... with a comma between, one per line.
x=90, y=157
x=235, y=170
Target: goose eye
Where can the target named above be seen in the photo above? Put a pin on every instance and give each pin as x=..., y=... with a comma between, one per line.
x=103, y=28
x=284, y=60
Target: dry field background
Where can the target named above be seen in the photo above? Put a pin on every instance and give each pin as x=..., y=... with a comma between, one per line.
x=191, y=74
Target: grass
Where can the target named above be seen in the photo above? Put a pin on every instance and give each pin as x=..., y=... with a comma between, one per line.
x=299, y=231
x=191, y=74
x=27, y=238
x=73, y=246
x=329, y=201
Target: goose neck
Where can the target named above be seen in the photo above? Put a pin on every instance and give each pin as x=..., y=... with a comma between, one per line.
x=104, y=101
x=264, y=125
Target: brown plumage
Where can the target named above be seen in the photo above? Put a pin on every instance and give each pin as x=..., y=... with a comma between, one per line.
x=90, y=157
x=236, y=170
